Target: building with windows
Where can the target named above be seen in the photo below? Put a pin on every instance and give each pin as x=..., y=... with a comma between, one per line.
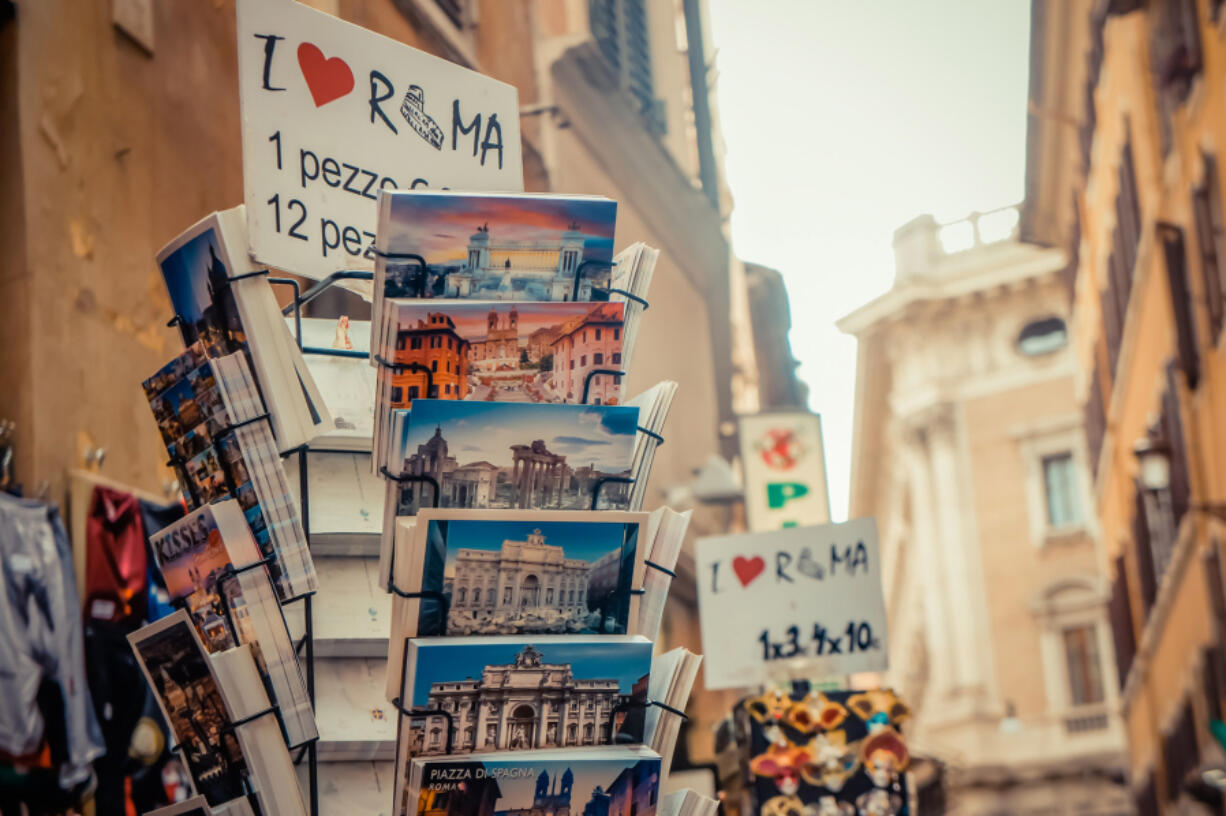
x=525, y=704
x=501, y=341
x=431, y=361
x=520, y=578
x=1134, y=194
x=584, y=345
x=969, y=451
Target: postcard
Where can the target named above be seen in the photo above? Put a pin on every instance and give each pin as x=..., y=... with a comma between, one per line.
x=197, y=556
x=513, y=455
x=514, y=693
x=177, y=668
x=598, y=781
x=519, y=572
x=188, y=406
x=484, y=246
x=503, y=352
x=227, y=316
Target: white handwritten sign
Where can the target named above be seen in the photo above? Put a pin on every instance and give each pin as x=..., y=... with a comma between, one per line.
x=809, y=594
x=333, y=113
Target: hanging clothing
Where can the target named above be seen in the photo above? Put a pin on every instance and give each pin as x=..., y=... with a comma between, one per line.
x=41, y=638
x=116, y=564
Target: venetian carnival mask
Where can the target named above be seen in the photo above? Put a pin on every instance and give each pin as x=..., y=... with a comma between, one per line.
x=832, y=761
x=878, y=707
x=829, y=806
x=815, y=712
x=878, y=803
x=786, y=805
x=884, y=755
x=781, y=762
x=770, y=707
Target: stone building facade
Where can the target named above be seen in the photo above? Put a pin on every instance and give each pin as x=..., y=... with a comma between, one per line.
x=584, y=345
x=434, y=362
x=519, y=578
x=1135, y=194
x=968, y=450
x=526, y=704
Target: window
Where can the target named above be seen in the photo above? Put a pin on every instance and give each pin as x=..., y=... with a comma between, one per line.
x=461, y=594
x=1060, y=489
x=446, y=388
x=477, y=596
x=1207, y=209
x=617, y=334
x=1085, y=677
x=1180, y=752
x=1181, y=301
x=434, y=365
x=1121, y=622
x=415, y=343
x=598, y=358
x=1095, y=417
x=435, y=734
x=619, y=28
x=572, y=364
x=1042, y=337
x=398, y=393
x=617, y=358
x=598, y=334
x=400, y=342
x=1175, y=57
x=582, y=359
x=413, y=391
x=506, y=595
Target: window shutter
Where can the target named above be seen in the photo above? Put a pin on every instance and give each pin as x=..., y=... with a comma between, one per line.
x=1173, y=428
x=1180, y=752
x=1207, y=237
x=1112, y=327
x=1121, y=622
x=1095, y=420
x=1128, y=211
x=1144, y=553
x=1181, y=300
x=1211, y=682
x=621, y=31
x=1146, y=799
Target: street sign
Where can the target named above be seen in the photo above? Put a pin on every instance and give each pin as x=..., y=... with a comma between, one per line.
x=808, y=595
x=785, y=470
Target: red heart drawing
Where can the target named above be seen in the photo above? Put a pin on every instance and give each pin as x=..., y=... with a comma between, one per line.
x=328, y=79
x=747, y=569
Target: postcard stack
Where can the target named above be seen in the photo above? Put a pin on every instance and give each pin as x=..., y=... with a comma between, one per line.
x=223, y=667
x=529, y=586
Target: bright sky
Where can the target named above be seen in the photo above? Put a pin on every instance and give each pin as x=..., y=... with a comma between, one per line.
x=844, y=120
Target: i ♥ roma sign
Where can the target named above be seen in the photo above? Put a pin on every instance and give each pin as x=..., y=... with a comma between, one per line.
x=801, y=595
x=333, y=113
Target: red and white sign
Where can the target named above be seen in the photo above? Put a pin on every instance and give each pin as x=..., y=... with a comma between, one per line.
x=785, y=470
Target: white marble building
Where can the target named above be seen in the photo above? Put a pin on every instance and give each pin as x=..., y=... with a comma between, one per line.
x=523, y=577
x=525, y=704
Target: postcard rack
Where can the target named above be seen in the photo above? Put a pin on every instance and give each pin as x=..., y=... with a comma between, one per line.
x=305, y=647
